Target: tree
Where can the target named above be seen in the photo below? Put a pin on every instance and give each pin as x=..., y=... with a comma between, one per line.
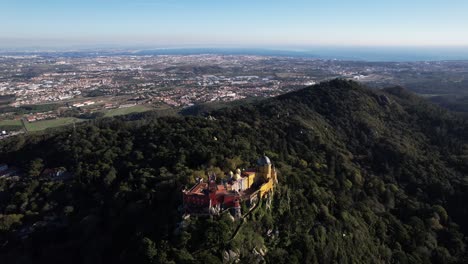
x=110, y=176
x=8, y=221
x=35, y=167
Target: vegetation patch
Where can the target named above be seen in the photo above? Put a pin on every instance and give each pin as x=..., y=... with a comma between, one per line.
x=45, y=124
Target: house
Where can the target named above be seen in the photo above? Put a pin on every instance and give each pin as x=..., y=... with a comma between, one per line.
x=55, y=173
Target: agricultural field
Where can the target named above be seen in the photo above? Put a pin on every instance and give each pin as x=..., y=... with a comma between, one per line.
x=128, y=110
x=11, y=125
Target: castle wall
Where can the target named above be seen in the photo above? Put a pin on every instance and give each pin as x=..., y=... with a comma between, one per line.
x=251, y=179
x=266, y=187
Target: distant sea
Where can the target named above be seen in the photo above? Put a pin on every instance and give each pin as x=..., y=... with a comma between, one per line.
x=371, y=54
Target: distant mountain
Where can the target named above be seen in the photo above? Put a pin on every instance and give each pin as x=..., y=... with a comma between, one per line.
x=365, y=176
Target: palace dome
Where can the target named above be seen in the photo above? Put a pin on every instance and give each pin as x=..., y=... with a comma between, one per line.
x=263, y=161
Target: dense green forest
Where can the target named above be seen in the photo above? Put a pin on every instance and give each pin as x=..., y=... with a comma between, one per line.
x=452, y=102
x=365, y=176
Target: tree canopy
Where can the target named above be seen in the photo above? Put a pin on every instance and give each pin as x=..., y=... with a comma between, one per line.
x=366, y=176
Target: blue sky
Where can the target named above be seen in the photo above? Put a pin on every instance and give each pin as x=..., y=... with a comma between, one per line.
x=234, y=23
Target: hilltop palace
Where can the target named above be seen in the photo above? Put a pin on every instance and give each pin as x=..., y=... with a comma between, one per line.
x=210, y=198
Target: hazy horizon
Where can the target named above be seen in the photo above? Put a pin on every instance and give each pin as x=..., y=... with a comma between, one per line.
x=352, y=53
x=261, y=23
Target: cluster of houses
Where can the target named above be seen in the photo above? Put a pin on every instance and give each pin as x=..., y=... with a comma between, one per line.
x=41, y=116
x=86, y=103
x=6, y=134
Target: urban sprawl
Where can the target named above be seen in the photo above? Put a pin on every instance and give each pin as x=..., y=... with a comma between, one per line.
x=76, y=86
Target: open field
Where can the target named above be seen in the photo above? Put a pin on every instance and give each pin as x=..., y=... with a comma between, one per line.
x=42, y=125
x=10, y=123
x=128, y=110
x=45, y=124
